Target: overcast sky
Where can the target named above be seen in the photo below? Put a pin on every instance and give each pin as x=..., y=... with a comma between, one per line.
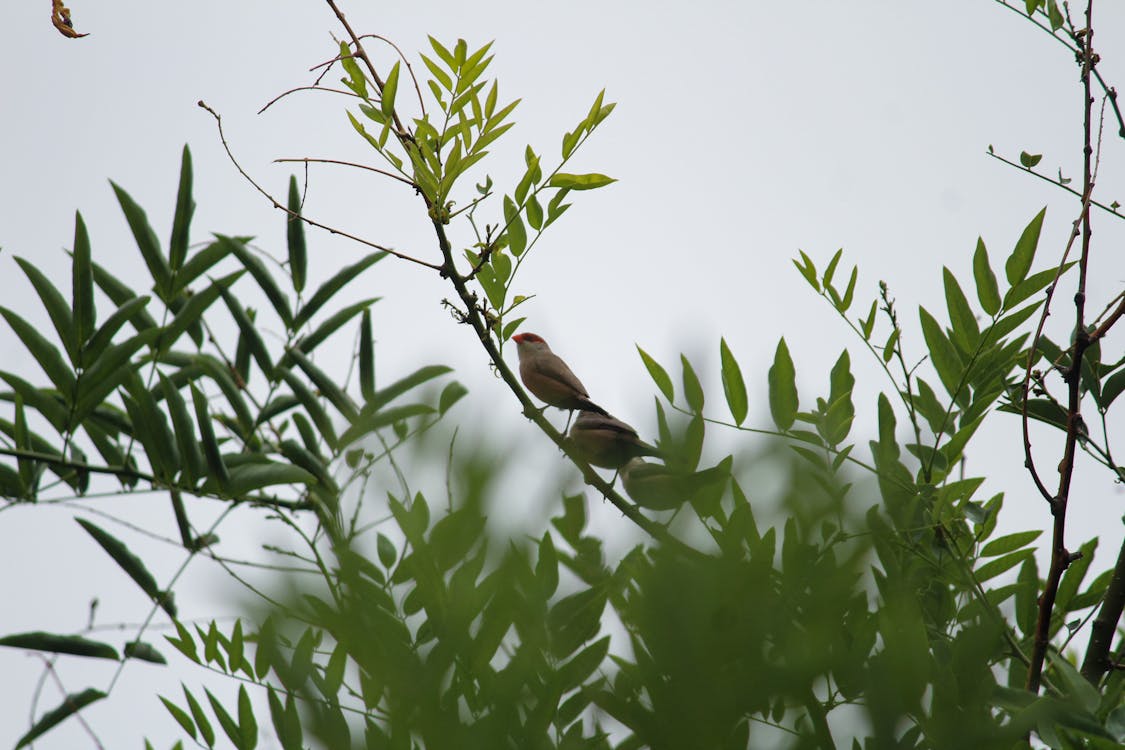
x=744, y=131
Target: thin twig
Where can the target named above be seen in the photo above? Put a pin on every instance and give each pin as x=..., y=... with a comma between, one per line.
x=278, y=205
x=385, y=173
x=1056, y=183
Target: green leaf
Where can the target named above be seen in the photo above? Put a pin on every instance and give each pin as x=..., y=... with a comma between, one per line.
x=1033, y=284
x=261, y=274
x=366, y=357
x=82, y=283
x=658, y=374
x=582, y=665
x=198, y=264
x=46, y=354
x=1019, y=262
x=995, y=567
x=579, y=181
x=130, y=563
x=369, y=421
x=286, y=721
x=1030, y=160
x=295, y=235
x=192, y=310
x=355, y=80
x=943, y=355
x=144, y=652
x=988, y=293
x=1010, y=543
x=961, y=318
x=547, y=566
x=60, y=644
x=308, y=343
x=783, y=388
x=328, y=289
x=180, y=716
x=516, y=233
x=575, y=619
x=326, y=385
x=249, y=477
x=108, y=371
x=807, y=269
x=217, y=468
x=390, y=88
x=450, y=395
x=693, y=391
x=733, y=385
x=233, y=732
x=249, y=332
x=146, y=242
x=248, y=726
x=70, y=705
x=181, y=223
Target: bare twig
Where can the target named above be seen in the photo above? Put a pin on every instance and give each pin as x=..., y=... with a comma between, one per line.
x=1061, y=558
x=310, y=160
x=314, y=87
x=278, y=205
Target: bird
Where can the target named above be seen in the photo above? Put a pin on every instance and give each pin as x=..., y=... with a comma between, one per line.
x=602, y=440
x=549, y=379
x=657, y=487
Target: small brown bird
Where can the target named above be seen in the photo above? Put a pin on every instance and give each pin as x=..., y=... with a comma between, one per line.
x=657, y=487
x=602, y=440
x=548, y=378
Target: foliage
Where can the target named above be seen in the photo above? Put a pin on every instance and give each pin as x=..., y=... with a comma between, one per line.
x=884, y=608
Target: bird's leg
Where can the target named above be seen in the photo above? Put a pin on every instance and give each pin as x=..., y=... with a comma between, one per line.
x=569, y=416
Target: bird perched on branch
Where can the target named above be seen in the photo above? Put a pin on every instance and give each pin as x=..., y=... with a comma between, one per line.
x=602, y=440
x=657, y=487
x=548, y=377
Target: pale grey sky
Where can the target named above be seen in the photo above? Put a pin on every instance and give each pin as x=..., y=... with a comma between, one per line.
x=744, y=131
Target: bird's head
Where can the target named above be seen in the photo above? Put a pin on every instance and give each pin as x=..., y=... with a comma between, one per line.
x=529, y=342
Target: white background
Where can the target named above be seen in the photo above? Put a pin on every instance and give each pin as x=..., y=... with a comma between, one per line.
x=744, y=131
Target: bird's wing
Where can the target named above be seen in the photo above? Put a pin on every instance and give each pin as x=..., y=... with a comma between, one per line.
x=561, y=373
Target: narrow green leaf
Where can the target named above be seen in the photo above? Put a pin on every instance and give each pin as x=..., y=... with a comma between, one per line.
x=200, y=717
x=580, y=181
x=181, y=223
x=128, y=562
x=229, y=725
x=261, y=274
x=108, y=371
x=943, y=355
x=404, y=384
x=993, y=568
x=247, y=724
x=311, y=404
x=144, y=652
x=326, y=385
x=830, y=270
x=211, y=452
x=146, y=242
x=119, y=293
x=192, y=310
x=783, y=388
x=368, y=421
x=45, y=353
x=733, y=385
x=366, y=357
x=180, y=716
x=807, y=269
x=1032, y=284
x=574, y=672
x=693, y=391
x=988, y=293
x=308, y=343
x=249, y=331
x=60, y=644
x=198, y=264
x=82, y=283
x=1010, y=543
x=70, y=705
x=295, y=234
x=516, y=233
x=328, y=289
x=658, y=375
x=961, y=318
x=1019, y=262
x=246, y=478
x=355, y=80
x=390, y=89
x=450, y=395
